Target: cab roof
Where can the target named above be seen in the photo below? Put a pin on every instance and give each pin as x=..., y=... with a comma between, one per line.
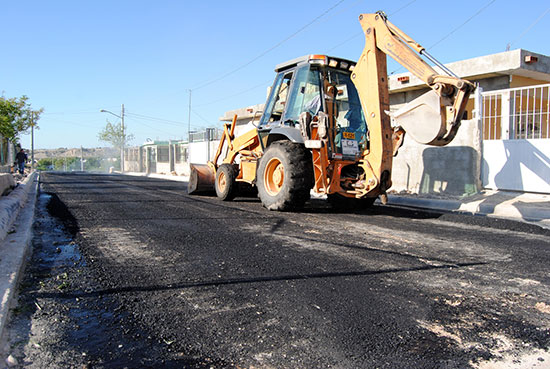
x=315, y=59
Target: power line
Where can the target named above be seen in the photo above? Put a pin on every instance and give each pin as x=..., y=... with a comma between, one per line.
x=263, y=83
x=343, y=10
x=151, y=127
x=403, y=7
x=71, y=113
x=454, y=30
x=345, y=41
x=280, y=43
x=528, y=29
x=463, y=24
x=361, y=32
x=200, y=116
x=234, y=95
x=269, y=49
x=181, y=124
x=349, y=39
x=74, y=123
x=156, y=119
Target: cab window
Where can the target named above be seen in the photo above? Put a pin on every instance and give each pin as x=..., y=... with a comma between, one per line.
x=349, y=123
x=305, y=94
x=277, y=99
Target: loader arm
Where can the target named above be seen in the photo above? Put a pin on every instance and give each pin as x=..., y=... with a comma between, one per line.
x=424, y=119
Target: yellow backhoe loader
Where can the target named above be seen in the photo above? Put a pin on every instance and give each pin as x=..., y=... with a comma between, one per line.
x=326, y=126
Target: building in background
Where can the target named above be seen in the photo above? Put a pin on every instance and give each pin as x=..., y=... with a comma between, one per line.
x=503, y=142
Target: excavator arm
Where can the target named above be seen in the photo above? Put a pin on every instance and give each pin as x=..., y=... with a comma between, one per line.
x=448, y=91
x=424, y=119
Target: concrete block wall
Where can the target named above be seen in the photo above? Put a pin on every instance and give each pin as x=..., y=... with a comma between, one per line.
x=450, y=170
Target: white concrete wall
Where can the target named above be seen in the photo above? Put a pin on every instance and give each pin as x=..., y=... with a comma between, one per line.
x=131, y=166
x=200, y=153
x=163, y=168
x=182, y=169
x=453, y=169
x=243, y=128
x=520, y=165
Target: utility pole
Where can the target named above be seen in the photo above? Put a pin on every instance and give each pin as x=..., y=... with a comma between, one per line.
x=81, y=159
x=122, y=133
x=189, y=121
x=123, y=139
x=32, y=141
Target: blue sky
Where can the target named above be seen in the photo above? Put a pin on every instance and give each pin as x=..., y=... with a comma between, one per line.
x=74, y=58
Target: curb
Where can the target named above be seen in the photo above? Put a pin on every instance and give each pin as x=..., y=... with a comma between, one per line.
x=178, y=178
x=511, y=209
x=15, y=247
x=440, y=204
x=11, y=204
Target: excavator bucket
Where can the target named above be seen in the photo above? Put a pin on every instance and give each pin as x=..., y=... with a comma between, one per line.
x=201, y=179
x=424, y=119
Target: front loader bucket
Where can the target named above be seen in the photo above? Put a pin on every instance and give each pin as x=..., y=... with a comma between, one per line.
x=425, y=120
x=201, y=179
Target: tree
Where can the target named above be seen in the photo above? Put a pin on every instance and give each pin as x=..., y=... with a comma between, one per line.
x=16, y=116
x=66, y=163
x=112, y=133
x=93, y=163
x=44, y=164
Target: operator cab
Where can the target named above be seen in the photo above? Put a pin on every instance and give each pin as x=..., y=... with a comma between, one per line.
x=313, y=84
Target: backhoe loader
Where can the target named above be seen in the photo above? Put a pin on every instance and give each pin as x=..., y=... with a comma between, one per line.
x=326, y=126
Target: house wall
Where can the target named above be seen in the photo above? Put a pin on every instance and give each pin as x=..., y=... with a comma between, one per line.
x=519, y=81
x=466, y=166
x=182, y=169
x=163, y=168
x=519, y=165
x=202, y=152
x=131, y=166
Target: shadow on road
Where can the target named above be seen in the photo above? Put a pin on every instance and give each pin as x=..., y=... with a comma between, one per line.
x=234, y=281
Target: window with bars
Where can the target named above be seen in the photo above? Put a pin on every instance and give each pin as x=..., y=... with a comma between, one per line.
x=492, y=117
x=163, y=154
x=519, y=113
x=181, y=154
x=531, y=109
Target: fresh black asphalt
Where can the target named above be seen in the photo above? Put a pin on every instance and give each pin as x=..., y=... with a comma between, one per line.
x=191, y=281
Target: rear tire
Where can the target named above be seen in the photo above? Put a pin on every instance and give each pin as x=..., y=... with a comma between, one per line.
x=226, y=186
x=285, y=176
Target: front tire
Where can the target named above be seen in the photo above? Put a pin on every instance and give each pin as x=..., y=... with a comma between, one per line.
x=226, y=186
x=285, y=176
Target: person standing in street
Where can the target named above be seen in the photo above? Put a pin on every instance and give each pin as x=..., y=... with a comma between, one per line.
x=21, y=159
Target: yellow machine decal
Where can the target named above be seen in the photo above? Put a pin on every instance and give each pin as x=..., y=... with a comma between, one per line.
x=349, y=135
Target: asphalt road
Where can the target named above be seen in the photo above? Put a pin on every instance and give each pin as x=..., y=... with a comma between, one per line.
x=143, y=275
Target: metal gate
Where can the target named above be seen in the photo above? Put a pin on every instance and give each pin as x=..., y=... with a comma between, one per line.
x=516, y=139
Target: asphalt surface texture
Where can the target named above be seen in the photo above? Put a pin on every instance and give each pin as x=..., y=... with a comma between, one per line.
x=133, y=272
